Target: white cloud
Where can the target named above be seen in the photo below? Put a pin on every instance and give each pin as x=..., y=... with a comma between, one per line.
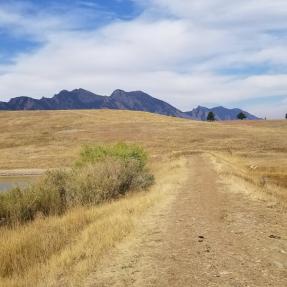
x=174, y=58
x=38, y=25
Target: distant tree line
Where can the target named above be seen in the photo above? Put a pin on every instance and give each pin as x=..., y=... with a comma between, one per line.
x=240, y=116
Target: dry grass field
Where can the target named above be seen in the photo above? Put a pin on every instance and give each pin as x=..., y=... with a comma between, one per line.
x=61, y=251
x=254, y=150
x=64, y=250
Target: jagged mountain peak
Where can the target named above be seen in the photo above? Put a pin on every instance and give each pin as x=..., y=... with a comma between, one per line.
x=135, y=100
x=121, y=93
x=117, y=91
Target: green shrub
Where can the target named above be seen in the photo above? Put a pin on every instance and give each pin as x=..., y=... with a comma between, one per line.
x=106, y=180
x=50, y=192
x=103, y=173
x=16, y=206
x=45, y=197
x=94, y=183
x=121, y=151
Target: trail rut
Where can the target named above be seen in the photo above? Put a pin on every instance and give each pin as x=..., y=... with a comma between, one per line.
x=202, y=235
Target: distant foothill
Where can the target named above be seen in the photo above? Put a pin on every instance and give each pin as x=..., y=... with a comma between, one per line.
x=119, y=100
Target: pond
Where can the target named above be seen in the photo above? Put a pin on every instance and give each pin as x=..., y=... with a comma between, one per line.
x=9, y=182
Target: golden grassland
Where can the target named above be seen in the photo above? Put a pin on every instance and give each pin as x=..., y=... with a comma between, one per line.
x=66, y=248
x=63, y=250
x=46, y=139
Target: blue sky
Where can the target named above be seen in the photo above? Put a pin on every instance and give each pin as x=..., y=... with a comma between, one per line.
x=93, y=14
x=189, y=53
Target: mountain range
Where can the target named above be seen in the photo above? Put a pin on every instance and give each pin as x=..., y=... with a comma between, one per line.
x=118, y=100
x=220, y=114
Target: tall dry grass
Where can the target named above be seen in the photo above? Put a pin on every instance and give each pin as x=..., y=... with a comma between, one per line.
x=63, y=250
x=257, y=182
x=49, y=139
x=102, y=173
x=59, y=250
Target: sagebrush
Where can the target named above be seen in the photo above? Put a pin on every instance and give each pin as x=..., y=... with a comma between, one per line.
x=101, y=174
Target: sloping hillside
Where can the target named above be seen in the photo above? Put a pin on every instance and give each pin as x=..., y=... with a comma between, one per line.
x=80, y=99
x=234, y=170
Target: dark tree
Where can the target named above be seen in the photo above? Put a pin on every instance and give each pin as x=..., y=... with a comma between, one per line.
x=286, y=116
x=241, y=116
x=211, y=117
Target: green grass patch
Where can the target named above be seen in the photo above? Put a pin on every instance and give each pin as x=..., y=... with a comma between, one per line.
x=120, y=151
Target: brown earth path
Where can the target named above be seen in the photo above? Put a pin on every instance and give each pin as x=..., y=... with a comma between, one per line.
x=201, y=235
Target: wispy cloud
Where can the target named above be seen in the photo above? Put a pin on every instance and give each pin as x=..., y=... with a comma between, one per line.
x=185, y=52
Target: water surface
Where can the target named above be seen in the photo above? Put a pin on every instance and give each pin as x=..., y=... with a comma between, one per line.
x=9, y=182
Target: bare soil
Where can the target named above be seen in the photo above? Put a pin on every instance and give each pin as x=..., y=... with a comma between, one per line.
x=201, y=235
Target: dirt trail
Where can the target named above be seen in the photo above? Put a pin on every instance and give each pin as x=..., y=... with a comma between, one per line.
x=202, y=235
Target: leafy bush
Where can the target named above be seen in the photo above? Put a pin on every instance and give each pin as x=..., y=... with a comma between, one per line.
x=45, y=197
x=16, y=205
x=121, y=151
x=105, y=180
x=50, y=192
x=103, y=173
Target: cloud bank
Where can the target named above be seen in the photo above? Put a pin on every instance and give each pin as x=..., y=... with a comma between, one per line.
x=208, y=52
